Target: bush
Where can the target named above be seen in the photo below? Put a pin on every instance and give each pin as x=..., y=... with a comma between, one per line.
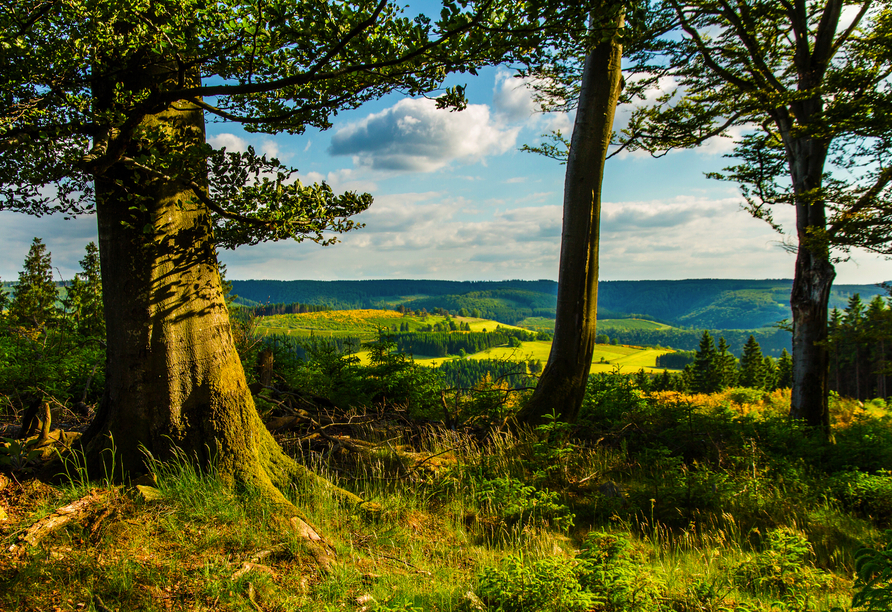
x=783, y=568
x=547, y=585
x=867, y=494
x=613, y=572
x=874, y=578
x=517, y=503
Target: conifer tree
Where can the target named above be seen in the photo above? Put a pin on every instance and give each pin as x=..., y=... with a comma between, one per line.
x=34, y=297
x=878, y=327
x=769, y=374
x=853, y=325
x=4, y=299
x=84, y=299
x=834, y=339
x=784, y=371
x=727, y=365
x=752, y=365
x=706, y=371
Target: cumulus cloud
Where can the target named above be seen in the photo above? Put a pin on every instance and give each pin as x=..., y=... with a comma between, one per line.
x=512, y=97
x=415, y=136
x=513, y=101
x=230, y=142
x=270, y=148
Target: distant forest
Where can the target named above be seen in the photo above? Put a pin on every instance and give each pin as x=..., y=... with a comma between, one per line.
x=717, y=304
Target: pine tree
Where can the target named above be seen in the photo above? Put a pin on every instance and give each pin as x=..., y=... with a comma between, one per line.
x=784, y=378
x=752, y=365
x=34, y=297
x=835, y=337
x=4, y=299
x=84, y=299
x=706, y=371
x=663, y=382
x=878, y=328
x=769, y=374
x=853, y=325
x=642, y=380
x=727, y=365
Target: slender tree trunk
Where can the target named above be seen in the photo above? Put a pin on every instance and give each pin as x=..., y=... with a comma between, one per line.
x=811, y=283
x=811, y=292
x=561, y=387
x=174, y=381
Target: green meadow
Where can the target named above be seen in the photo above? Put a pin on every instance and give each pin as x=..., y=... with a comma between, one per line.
x=366, y=323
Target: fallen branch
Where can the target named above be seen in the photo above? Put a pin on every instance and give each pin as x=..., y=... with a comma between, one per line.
x=76, y=510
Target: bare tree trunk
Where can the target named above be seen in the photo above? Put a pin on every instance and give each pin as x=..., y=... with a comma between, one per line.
x=174, y=381
x=811, y=291
x=812, y=280
x=561, y=387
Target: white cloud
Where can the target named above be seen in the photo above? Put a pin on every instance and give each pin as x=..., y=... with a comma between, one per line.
x=415, y=136
x=512, y=97
x=269, y=147
x=230, y=142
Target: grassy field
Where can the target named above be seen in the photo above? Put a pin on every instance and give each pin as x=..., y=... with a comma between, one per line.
x=366, y=323
x=362, y=323
x=606, y=357
x=604, y=325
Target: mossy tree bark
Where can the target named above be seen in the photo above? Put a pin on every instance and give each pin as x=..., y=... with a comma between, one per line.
x=174, y=381
x=561, y=387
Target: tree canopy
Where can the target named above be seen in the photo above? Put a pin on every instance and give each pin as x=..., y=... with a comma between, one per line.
x=80, y=77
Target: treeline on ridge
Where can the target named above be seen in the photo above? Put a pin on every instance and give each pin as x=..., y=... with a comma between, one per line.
x=441, y=344
x=773, y=341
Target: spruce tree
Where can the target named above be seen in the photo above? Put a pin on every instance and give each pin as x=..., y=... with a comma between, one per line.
x=706, y=373
x=878, y=328
x=769, y=374
x=727, y=365
x=84, y=299
x=752, y=365
x=853, y=326
x=835, y=337
x=4, y=299
x=34, y=297
x=784, y=371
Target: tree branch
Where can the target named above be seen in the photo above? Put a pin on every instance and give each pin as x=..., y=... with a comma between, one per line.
x=705, y=53
x=752, y=45
x=849, y=31
x=201, y=194
x=820, y=56
x=306, y=78
x=342, y=44
x=883, y=180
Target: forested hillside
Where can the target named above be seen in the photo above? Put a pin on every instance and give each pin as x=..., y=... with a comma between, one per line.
x=694, y=304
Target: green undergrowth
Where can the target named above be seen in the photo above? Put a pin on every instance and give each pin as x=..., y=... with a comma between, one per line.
x=661, y=503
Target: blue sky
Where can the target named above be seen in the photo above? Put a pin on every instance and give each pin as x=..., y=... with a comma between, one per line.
x=456, y=199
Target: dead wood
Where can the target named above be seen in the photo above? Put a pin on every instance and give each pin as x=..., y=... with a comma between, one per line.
x=32, y=423
x=77, y=510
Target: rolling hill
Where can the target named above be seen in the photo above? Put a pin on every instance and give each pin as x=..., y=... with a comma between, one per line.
x=694, y=304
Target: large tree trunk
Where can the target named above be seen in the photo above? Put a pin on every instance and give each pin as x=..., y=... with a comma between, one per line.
x=561, y=388
x=174, y=381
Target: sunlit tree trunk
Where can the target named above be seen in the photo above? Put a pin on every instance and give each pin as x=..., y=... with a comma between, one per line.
x=561, y=387
x=174, y=381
